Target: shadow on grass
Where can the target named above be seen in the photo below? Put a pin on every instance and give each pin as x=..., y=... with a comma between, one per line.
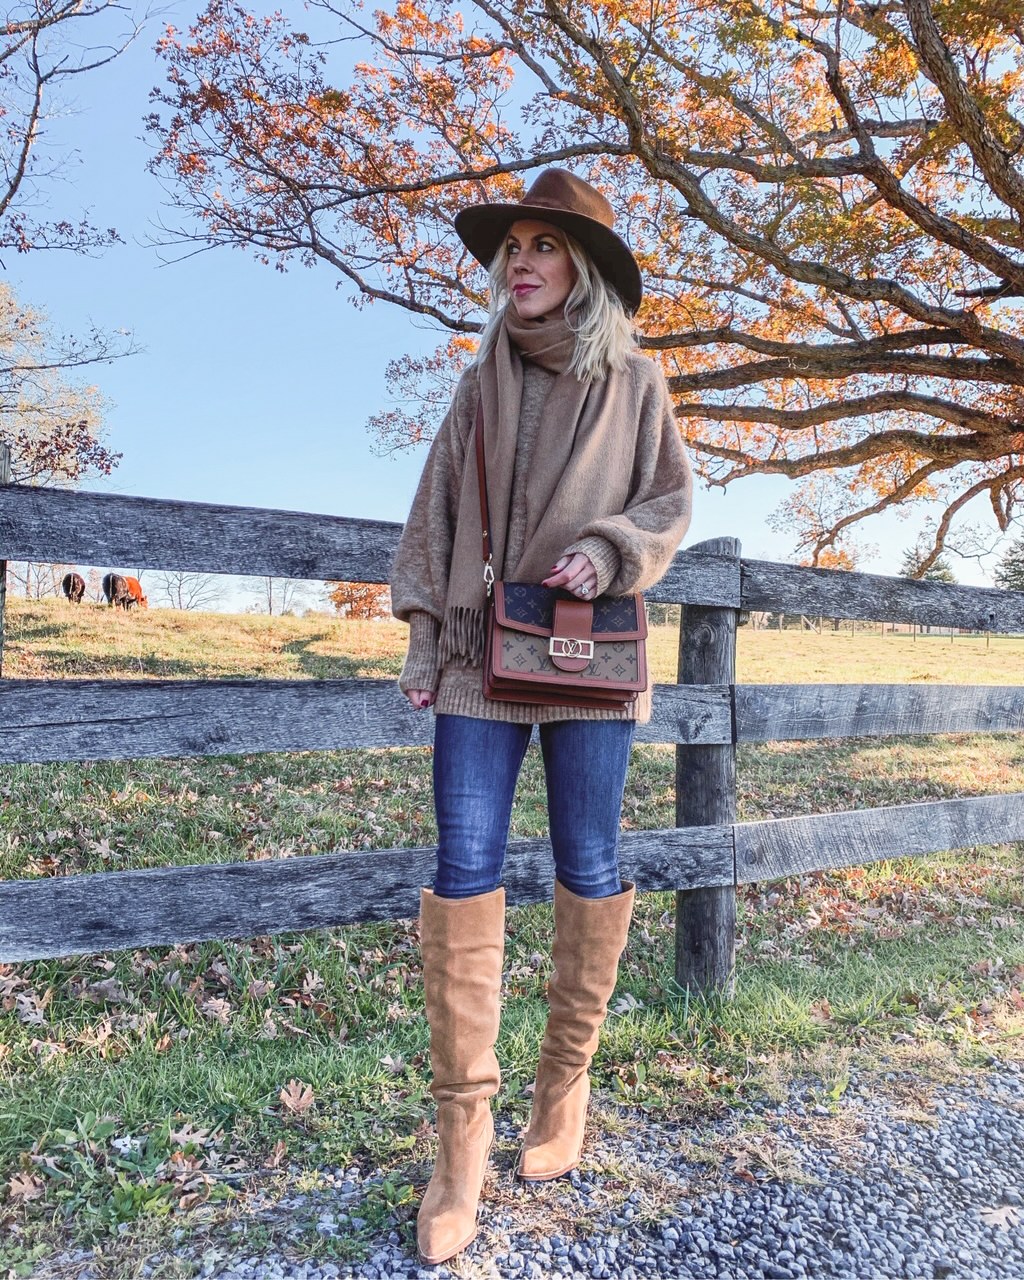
x=126, y=667
x=318, y=666
x=38, y=631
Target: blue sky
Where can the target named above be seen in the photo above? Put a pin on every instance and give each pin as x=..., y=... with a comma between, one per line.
x=254, y=386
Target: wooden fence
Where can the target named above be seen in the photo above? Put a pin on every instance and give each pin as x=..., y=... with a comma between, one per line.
x=704, y=857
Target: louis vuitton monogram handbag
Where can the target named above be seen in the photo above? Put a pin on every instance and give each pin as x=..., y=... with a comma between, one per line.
x=546, y=646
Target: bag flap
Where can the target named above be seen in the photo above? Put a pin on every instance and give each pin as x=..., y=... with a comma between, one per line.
x=527, y=606
x=571, y=646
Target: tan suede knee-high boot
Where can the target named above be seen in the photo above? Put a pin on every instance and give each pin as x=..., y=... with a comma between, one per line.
x=462, y=942
x=590, y=936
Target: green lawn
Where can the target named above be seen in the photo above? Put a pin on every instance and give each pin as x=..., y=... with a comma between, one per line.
x=148, y=1092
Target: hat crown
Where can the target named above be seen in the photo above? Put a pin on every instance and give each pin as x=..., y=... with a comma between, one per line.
x=560, y=189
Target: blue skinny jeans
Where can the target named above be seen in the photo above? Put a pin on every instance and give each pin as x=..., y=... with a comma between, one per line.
x=476, y=765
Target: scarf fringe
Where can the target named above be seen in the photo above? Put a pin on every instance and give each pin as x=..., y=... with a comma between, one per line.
x=462, y=636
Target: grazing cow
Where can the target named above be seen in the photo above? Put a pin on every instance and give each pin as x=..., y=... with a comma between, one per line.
x=135, y=593
x=73, y=587
x=115, y=588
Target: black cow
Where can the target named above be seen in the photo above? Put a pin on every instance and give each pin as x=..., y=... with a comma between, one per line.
x=115, y=588
x=73, y=587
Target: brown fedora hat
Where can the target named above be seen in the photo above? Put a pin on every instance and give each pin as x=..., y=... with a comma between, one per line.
x=559, y=197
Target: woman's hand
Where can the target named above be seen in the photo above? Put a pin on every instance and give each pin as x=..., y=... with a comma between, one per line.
x=420, y=699
x=575, y=573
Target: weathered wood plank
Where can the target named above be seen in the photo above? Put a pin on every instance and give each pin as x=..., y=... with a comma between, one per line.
x=46, y=720
x=695, y=713
x=114, y=530
x=701, y=578
x=53, y=720
x=781, y=712
x=705, y=934
x=835, y=593
x=50, y=720
x=71, y=915
x=788, y=846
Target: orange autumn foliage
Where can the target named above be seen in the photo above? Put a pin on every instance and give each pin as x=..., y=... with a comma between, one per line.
x=360, y=599
x=826, y=201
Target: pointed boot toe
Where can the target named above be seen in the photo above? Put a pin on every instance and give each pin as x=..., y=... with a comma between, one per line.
x=443, y=1239
x=446, y=1222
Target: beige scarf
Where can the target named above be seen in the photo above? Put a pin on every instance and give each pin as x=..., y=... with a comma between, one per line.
x=580, y=471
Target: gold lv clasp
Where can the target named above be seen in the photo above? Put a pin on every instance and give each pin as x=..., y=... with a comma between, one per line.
x=570, y=647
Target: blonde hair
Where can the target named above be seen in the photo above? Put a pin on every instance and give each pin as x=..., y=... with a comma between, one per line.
x=605, y=335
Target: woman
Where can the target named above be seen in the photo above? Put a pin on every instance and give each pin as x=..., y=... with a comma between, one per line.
x=589, y=491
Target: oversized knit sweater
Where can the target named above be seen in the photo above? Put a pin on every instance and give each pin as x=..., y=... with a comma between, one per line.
x=627, y=557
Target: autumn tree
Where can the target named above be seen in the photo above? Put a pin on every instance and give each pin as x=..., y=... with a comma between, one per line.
x=360, y=599
x=50, y=421
x=826, y=201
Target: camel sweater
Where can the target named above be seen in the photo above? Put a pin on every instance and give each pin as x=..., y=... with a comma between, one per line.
x=627, y=557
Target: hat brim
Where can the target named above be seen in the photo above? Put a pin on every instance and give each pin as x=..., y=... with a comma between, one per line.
x=482, y=227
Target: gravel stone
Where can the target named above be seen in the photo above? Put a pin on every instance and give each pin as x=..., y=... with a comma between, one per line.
x=904, y=1201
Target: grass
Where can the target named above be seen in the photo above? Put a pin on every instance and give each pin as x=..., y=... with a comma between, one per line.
x=174, y=1094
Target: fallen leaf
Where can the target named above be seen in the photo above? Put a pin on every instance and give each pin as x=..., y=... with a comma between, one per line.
x=186, y=1134
x=217, y=1010
x=626, y=1003
x=296, y=1096
x=25, y=1186
x=109, y=991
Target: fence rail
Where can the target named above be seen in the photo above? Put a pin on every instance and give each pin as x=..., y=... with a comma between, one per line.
x=704, y=857
x=58, y=526
x=62, y=720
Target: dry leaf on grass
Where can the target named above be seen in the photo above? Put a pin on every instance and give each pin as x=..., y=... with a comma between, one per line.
x=296, y=1097
x=186, y=1134
x=24, y=1186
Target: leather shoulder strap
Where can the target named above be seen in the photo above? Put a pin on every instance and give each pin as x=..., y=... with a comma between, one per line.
x=485, y=510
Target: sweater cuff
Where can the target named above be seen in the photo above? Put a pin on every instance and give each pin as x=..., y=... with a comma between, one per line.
x=604, y=556
x=420, y=669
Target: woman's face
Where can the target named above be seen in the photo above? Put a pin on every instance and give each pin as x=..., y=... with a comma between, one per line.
x=540, y=273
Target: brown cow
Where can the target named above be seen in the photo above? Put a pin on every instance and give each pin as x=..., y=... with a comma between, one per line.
x=115, y=588
x=135, y=593
x=73, y=587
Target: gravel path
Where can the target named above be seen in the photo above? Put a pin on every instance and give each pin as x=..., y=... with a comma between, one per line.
x=897, y=1178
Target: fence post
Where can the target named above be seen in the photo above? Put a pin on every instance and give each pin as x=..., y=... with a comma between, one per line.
x=5, y=478
x=706, y=794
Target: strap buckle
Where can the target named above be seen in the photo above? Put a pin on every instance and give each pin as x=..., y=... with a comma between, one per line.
x=488, y=577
